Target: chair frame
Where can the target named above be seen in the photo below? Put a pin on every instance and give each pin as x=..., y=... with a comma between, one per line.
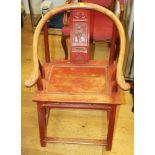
x=38, y=74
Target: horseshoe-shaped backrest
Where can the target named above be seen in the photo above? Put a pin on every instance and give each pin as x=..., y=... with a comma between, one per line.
x=119, y=75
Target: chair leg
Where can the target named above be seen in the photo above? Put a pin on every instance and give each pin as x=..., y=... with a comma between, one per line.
x=111, y=127
x=42, y=123
x=64, y=46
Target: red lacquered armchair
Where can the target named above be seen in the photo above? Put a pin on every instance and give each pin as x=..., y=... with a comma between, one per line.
x=101, y=27
x=78, y=83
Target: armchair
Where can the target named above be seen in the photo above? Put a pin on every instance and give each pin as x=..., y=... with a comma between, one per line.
x=78, y=83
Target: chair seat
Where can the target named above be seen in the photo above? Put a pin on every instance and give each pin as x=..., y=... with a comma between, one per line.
x=85, y=83
x=100, y=27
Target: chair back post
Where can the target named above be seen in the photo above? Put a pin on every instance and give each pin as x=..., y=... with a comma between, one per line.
x=119, y=75
x=46, y=43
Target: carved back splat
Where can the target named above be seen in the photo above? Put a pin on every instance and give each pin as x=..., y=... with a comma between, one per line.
x=79, y=34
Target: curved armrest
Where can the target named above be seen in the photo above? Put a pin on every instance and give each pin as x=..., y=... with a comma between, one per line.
x=119, y=75
x=33, y=78
x=35, y=73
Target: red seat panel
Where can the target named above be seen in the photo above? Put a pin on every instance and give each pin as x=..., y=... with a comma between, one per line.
x=87, y=83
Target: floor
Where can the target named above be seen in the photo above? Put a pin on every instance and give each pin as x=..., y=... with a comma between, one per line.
x=71, y=123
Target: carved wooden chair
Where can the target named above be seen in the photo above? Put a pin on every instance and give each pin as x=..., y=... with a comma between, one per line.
x=78, y=83
x=98, y=22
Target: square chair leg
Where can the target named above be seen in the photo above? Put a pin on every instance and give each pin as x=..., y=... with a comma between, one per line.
x=42, y=123
x=111, y=114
